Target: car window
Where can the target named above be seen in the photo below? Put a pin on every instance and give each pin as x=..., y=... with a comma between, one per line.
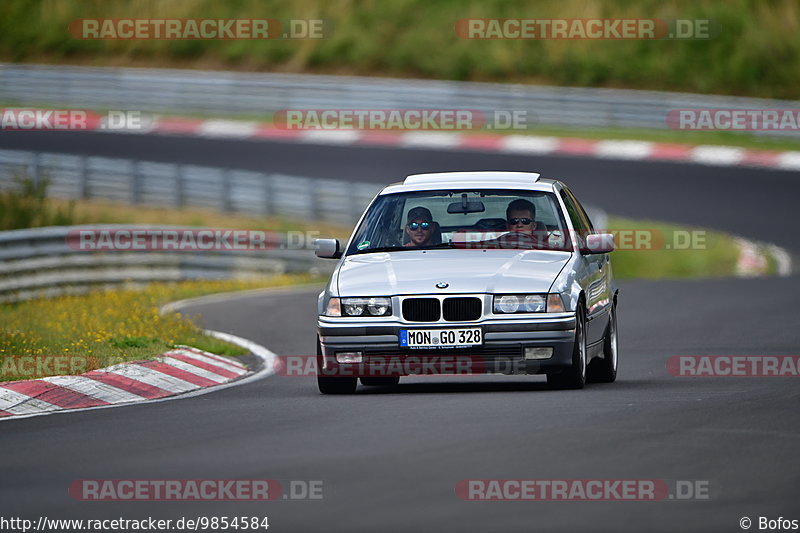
x=460, y=218
x=572, y=212
x=581, y=211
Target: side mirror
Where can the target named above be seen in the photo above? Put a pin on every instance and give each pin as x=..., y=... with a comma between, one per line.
x=599, y=243
x=327, y=248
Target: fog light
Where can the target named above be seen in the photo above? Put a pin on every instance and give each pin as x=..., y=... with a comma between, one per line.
x=349, y=357
x=538, y=353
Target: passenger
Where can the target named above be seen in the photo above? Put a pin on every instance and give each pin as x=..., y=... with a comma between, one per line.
x=419, y=227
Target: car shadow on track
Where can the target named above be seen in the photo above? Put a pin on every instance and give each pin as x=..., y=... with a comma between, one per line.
x=461, y=386
x=440, y=387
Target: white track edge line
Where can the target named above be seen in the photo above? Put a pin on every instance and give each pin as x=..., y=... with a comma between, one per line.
x=267, y=358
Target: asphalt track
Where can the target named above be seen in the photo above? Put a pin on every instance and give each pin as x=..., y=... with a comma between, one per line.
x=389, y=459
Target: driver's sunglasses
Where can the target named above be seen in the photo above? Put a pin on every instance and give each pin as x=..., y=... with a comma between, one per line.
x=414, y=225
x=524, y=221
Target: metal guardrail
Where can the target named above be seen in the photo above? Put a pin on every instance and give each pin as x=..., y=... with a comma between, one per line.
x=176, y=185
x=40, y=262
x=252, y=94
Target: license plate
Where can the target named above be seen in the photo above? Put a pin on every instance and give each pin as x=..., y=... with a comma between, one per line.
x=441, y=338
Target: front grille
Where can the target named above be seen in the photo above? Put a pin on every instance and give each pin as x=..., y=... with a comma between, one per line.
x=462, y=309
x=421, y=309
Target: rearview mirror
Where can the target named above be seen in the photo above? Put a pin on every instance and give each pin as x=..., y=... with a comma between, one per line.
x=599, y=243
x=466, y=207
x=327, y=248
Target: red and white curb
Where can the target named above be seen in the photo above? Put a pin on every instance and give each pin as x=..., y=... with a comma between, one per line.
x=753, y=259
x=487, y=142
x=179, y=373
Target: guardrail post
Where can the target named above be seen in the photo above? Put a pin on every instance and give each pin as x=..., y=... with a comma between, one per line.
x=179, y=186
x=269, y=190
x=316, y=201
x=36, y=170
x=136, y=183
x=355, y=207
x=83, y=177
x=226, y=202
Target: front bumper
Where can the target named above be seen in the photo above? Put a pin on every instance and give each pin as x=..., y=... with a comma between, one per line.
x=502, y=352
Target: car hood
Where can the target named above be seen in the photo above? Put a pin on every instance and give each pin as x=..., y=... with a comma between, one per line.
x=465, y=271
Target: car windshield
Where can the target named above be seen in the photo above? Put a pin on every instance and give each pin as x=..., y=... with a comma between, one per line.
x=466, y=219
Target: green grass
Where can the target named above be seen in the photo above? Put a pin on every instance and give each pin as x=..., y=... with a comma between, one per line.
x=755, y=50
x=106, y=327
x=716, y=257
x=26, y=205
x=718, y=138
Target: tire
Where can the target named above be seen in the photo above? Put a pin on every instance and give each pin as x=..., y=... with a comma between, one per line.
x=573, y=377
x=330, y=384
x=388, y=381
x=605, y=370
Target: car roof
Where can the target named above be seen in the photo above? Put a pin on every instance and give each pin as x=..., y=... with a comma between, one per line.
x=472, y=180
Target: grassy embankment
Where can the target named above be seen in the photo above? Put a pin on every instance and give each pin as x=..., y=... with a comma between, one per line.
x=105, y=327
x=754, y=50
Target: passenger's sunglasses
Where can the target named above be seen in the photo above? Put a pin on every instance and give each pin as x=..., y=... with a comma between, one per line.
x=415, y=225
x=515, y=221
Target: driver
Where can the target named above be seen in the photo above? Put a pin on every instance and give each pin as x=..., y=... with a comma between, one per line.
x=419, y=227
x=521, y=216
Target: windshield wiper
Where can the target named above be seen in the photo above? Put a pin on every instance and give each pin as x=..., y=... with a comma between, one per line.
x=403, y=248
x=381, y=249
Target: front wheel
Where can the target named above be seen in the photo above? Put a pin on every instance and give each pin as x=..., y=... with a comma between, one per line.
x=333, y=385
x=573, y=377
x=328, y=385
x=605, y=370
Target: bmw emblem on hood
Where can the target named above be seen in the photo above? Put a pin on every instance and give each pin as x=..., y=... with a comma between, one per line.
x=442, y=285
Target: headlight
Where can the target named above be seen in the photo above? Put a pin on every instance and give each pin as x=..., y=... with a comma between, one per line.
x=379, y=306
x=519, y=303
x=376, y=306
x=353, y=306
x=506, y=304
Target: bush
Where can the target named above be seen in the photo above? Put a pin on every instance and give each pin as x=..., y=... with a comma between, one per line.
x=25, y=205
